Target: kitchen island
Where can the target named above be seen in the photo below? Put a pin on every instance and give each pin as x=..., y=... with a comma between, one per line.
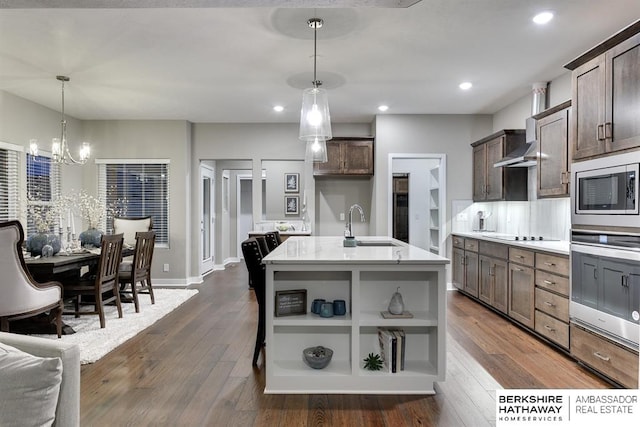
x=365, y=277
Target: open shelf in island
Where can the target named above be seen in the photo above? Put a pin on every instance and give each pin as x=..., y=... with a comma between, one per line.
x=366, y=278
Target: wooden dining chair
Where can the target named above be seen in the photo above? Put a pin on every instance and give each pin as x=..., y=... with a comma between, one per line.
x=21, y=296
x=136, y=274
x=104, y=288
x=255, y=267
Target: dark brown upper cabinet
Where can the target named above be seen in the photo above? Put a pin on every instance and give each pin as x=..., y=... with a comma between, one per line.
x=552, y=130
x=347, y=156
x=606, y=96
x=503, y=183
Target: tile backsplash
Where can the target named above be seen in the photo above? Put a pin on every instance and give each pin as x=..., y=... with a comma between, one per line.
x=549, y=218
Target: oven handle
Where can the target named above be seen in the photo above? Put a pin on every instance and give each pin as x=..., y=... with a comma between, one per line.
x=606, y=251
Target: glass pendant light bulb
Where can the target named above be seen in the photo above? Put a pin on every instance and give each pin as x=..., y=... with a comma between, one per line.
x=56, y=148
x=314, y=118
x=85, y=151
x=33, y=147
x=317, y=150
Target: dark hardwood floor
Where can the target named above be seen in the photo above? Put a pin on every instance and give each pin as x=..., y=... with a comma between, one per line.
x=193, y=368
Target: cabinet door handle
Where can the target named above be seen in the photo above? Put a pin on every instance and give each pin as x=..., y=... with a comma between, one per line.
x=549, y=328
x=549, y=282
x=600, y=356
x=550, y=304
x=549, y=264
x=519, y=256
x=518, y=269
x=600, y=133
x=624, y=280
x=608, y=128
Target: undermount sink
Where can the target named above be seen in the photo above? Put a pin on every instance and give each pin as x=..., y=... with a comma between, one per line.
x=375, y=243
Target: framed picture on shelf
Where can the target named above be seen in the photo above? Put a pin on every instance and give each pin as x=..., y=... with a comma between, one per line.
x=291, y=182
x=291, y=303
x=291, y=205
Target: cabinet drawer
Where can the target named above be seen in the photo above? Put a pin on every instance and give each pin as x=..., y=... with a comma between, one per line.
x=458, y=242
x=555, y=305
x=613, y=360
x=471, y=245
x=553, y=263
x=552, y=282
x=521, y=256
x=552, y=328
x=495, y=250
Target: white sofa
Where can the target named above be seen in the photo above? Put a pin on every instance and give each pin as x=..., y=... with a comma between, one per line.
x=68, y=407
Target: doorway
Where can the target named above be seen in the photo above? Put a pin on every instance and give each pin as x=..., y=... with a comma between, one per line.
x=245, y=222
x=424, y=201
x=401, y=206
x=207, y=219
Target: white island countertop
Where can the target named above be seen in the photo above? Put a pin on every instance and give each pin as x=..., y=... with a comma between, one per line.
x=330, y=249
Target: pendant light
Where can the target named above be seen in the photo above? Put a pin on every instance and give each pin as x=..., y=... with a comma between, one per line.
x=315, y=120
x=59, y=147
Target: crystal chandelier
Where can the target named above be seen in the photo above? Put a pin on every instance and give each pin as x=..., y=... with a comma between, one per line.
x=315, y=121
x=59, y=147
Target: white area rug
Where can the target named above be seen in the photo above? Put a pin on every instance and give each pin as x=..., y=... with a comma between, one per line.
x=95, y=342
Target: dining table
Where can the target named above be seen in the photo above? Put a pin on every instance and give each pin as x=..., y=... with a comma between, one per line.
x=66, y=269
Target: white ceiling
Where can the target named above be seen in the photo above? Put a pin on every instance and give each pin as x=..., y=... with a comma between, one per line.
x=222, y=64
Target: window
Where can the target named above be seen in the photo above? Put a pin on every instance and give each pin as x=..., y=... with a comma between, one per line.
x=43, y=188
x=136, y=188
x=9, y=189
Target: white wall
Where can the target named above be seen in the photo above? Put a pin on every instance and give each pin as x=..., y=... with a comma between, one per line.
x=334, y=196
x=275, y=170
x=513, y=116
x=432, y=134
x=157, y=139
x=22, y=120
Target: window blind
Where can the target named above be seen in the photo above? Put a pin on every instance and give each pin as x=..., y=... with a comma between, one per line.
x=135, y=190
x=43, y=188
x=9, y=187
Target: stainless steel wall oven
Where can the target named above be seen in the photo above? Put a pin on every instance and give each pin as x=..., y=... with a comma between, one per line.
x=605, y=284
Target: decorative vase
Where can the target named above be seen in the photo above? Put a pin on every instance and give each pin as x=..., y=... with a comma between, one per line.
x=396, y=305
x=36, y=242
x=91, y=238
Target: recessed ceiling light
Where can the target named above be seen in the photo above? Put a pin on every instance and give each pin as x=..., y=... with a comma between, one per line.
x=543, y=18
x=383, y=107
x=278, y=108
x=465, y=85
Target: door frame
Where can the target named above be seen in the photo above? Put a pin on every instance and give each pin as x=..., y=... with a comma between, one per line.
x=442, y=211
x=207, y=265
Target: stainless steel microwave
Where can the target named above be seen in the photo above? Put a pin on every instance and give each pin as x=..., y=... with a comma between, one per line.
x=604, y=191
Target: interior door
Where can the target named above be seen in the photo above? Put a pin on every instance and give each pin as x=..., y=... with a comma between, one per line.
x=207, y=219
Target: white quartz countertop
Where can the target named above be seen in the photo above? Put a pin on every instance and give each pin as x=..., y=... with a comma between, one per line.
x=284, y=233
x=330, y=250
x=561, y=247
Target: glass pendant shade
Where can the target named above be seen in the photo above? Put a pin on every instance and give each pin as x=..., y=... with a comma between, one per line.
x=315, y=121
x=317, y=150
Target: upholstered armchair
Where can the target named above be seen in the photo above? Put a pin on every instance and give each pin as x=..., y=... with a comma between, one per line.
x=20, y=295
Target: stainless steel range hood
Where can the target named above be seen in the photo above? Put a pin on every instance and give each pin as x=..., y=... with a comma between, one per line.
x=527, y=154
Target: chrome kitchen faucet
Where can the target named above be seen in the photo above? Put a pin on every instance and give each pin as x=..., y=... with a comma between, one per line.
x=348, y=231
